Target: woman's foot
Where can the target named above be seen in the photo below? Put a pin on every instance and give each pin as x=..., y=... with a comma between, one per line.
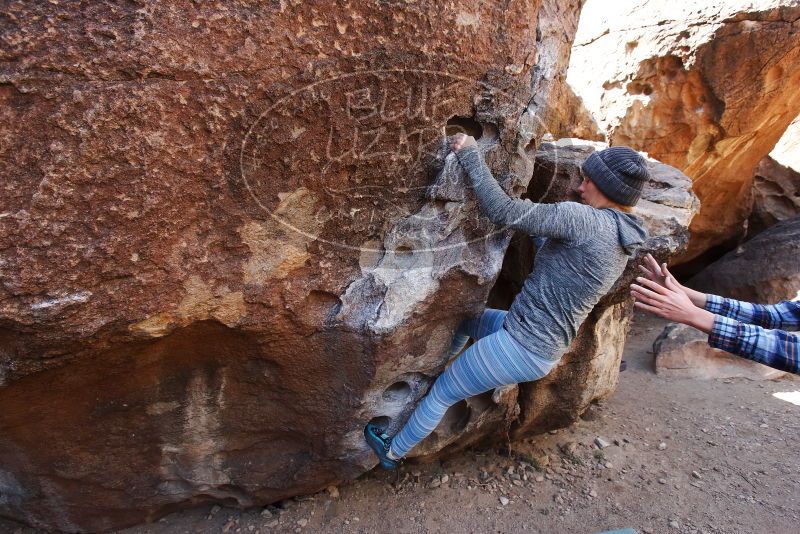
x=380, y=443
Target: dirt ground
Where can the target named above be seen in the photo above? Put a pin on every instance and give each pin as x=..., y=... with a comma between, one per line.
x=682, y=456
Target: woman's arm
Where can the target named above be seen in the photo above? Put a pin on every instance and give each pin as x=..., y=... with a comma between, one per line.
x=775, y=348
x=563, y=220
x=784, y=315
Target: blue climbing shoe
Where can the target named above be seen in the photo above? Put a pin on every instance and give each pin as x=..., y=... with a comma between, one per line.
x=380, y=442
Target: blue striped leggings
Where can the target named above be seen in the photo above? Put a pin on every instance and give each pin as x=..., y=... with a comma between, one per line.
x=495, y=359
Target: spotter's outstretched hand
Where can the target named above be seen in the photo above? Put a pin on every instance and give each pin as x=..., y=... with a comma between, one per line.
x=671, y=302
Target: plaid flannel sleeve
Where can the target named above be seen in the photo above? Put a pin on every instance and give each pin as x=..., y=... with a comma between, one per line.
x=775, y=348
x=784, y=315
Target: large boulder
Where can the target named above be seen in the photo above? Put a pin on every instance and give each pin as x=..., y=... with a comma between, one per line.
x=219, y=260
x=572, y=120
x=763, y=270
x=593, y=359
x=775, y=196
x=704, y=86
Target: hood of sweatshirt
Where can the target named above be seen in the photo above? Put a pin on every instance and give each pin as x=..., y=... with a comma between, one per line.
x=630, y=229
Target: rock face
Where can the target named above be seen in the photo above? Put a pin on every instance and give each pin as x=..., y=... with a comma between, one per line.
x=667, y=207
x=573, y=119
x=220, y=253
x=708, y=88
x=763, y=270
x=683, y=352
x=776, y=195
x=218, y=257
x=561, y=114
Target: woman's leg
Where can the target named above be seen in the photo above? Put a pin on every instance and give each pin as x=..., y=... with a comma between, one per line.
x=494, y=360
x=489, y=322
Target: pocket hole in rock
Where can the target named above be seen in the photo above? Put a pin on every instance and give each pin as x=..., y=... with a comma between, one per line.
x=382, y=421
x=481, y=403
x=457, y=416
x=397, y=392
x=403, y=256
x=466, y=125
x=490, y=131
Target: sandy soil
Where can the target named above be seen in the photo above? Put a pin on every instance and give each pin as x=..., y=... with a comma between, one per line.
x=683, y=456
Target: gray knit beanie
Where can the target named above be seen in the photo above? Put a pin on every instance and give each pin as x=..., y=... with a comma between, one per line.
x=619, y=172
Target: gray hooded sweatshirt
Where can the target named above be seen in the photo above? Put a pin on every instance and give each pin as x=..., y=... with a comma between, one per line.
x=584, y=253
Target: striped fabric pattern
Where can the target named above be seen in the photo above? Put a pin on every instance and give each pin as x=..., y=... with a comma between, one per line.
x=495, y=359
x=750, y=330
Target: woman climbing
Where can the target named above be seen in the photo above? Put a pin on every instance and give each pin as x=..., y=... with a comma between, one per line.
x=586, y=249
